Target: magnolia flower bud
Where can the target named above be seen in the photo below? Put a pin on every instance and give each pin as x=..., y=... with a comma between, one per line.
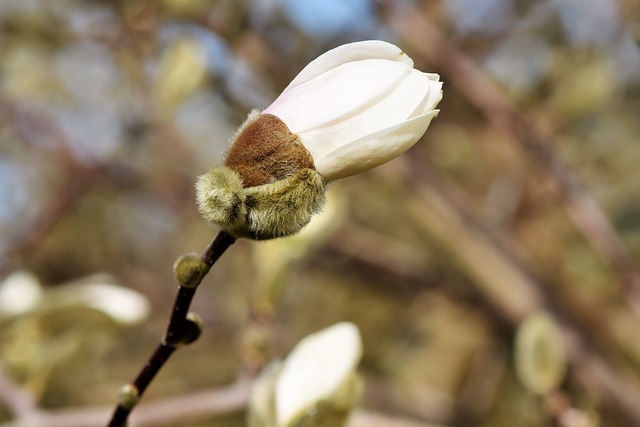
x=353, y=108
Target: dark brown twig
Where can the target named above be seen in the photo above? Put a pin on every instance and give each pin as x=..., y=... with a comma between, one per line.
x=175, y=330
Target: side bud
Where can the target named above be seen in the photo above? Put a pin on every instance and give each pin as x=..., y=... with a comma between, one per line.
x=128, y=396
x=192, y=329
x=189, y=270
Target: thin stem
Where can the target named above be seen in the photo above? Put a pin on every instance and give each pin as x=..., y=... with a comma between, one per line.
x=171, y=340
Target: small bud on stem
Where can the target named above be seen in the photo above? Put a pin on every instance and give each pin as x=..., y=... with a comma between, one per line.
x=189, y=270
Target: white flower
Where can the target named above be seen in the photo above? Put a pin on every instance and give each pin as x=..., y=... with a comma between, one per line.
x=316, y=386
x=317, y=369
x=358, y=106
x=20, y=292
x=353, y=108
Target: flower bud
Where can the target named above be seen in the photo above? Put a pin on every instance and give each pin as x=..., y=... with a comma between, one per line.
x=353, y=108
x=192, y=329
x=539, y=354
x=189, y=270
x=128, y=396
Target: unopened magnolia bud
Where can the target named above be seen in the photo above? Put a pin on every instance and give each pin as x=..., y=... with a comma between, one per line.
x=128, y=396
x=539, y=354
x=352, y=109
x=189, y=270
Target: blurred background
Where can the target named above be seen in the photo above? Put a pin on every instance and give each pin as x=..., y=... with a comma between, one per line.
x=522, y=197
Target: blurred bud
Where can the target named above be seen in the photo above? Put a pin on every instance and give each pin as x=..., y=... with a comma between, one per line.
x=189, y=270
x=276, y=259
x=182, y=71
x=316, y=385
x=539, y=354
x=128, y=396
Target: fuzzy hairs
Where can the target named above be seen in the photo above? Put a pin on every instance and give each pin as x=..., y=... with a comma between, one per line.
x=275, y=209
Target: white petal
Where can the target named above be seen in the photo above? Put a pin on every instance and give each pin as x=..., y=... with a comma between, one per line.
x=431, y=100
x=316, y=367
x=411, y=97
x=373, y=150
x=350, y=52
x=338, y=94
x=353, y=101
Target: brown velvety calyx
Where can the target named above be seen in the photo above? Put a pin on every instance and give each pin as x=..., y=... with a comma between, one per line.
x=265, y=150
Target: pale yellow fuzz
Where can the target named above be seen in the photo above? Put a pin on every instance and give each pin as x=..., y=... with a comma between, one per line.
x=218, y=195
x=277, y=209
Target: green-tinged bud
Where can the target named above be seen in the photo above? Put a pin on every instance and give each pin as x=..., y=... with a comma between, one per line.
x=189, y=270
x=539, y=354
x=128, y=396
x=192, y=329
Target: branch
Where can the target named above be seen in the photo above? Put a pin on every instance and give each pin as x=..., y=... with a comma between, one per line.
x=178, y=333
x=188, y=408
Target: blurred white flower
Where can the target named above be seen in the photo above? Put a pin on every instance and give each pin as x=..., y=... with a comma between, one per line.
x=20, y=292
x=358, y=106
x=316, y=369
x=316, y=385
x=121, y=304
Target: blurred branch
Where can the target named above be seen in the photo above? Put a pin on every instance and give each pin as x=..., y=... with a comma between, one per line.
x=79, y=179
x=511, y=289
x=187, y=408
x=460, y=71
x=161, y=412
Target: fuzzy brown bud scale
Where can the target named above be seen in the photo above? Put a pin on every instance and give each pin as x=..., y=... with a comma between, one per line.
x=264, y=150
x=268, y=186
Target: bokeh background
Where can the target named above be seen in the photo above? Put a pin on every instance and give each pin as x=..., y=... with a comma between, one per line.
x=523, y=196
